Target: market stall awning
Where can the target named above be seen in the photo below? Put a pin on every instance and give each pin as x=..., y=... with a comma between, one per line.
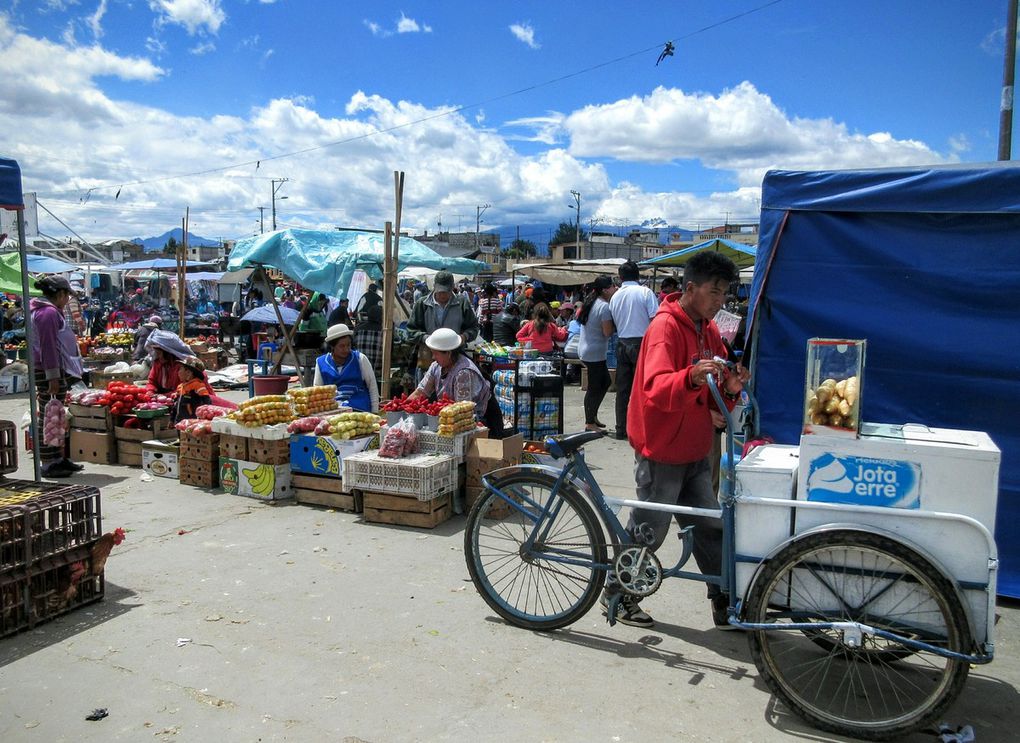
x=237, y=277
x=47, y=264
x=10, y=275
x=326, y=261
x=10, y=185
x=742, y=255
x=571, y=273
x=153, y=264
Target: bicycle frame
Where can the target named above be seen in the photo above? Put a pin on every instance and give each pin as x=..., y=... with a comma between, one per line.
x=577, y=474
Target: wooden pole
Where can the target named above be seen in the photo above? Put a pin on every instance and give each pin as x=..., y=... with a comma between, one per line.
x=260, y=274
x=390, y=270
x=182, y=269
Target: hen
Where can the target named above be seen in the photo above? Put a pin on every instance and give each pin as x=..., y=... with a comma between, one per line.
x=77, y=570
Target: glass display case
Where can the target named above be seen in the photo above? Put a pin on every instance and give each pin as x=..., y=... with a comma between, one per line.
x=833, y=387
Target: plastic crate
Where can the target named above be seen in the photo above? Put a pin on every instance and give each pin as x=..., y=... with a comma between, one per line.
x=425, y=476
x=8, y=447
x=57, y=518
x=430, y=442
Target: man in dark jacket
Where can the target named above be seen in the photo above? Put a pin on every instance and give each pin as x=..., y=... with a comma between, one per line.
x=443, y=309
x=506, y=324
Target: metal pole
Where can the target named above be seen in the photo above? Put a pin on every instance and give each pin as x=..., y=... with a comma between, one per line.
x=388, y=290
x=1006, y=105
x=33, y=393
x=577, y=225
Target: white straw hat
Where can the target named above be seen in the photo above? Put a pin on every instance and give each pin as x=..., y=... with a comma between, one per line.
x=444, y=339
x=337, y=331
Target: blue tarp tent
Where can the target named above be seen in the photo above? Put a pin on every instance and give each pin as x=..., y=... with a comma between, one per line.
x=153, y=264
x=326, y=261
x=924, y=263
x=46, y=264
x=742, y=255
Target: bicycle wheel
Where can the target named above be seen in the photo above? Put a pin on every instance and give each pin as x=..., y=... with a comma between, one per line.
x=533, y=588
x=881, y=689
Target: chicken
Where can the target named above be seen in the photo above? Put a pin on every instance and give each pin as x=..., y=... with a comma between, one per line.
x=68, y=587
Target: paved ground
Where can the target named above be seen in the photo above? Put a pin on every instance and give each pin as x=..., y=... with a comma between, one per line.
x=306, y=624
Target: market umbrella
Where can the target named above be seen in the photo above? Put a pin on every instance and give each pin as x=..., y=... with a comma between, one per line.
x=10, y=275
x=46, y=264
x=267, y=314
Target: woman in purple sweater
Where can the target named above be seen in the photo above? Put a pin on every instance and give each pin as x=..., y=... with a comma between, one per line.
x=50, y=381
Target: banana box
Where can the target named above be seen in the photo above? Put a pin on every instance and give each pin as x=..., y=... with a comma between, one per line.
x=255, y=480
x=324, y=455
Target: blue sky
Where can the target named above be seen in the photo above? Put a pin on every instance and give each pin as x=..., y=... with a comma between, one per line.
x=509, y=104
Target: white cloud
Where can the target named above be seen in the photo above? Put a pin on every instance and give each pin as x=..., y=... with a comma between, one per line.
x=375, y=28
x=201, y=49
x=525, y=33
x=548, y=129
x=194, y=15
x=95, y=21
x=410, y=26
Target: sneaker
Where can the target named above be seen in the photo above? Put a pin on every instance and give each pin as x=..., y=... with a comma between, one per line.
x=55, y=470
x=721, y=613
x=73, y=466
x=629, y=611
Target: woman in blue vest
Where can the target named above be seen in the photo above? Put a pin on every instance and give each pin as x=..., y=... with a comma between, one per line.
x=350, y=370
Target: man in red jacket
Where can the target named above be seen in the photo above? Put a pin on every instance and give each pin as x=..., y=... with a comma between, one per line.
x=673, y=416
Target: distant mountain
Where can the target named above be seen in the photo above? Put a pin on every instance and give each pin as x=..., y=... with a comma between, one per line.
x=155, y=244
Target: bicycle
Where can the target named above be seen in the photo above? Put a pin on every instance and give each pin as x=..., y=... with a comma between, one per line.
x=856, y=631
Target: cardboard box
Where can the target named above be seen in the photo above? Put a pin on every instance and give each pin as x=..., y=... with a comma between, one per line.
x=406, y=510
x=93, y=446
x=161, y=429
x=233, y=447
x=256, y=479
x=159, y=458
x=496, y=511
x=532, y=457
x=323, y=455
x=200, y=472
x=205, y=447
x=325, y=491
x=91, y=418
x=11, y=384
x=486, y=455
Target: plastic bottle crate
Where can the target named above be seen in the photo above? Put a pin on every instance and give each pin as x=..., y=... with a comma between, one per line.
x=8, y=447
x=44, y=520
x=425, y=476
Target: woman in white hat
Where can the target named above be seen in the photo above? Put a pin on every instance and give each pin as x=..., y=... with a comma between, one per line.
x=351, y=371
x=454, y=375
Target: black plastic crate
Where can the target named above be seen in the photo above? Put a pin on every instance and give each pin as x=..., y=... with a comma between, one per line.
x=47, y=518
x=8, y=447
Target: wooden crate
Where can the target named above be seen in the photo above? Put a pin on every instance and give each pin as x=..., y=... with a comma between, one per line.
x=199, y=472
x=406, y=510
x=129, y=453
x=325, y=491
x=158, y=428
x=91, y=417
x=211, y=359
x=233, y=447
x=206, y=448
x=265, y=451
x=101, y=379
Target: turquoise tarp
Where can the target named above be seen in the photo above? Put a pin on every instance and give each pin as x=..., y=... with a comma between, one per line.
x=326, y=261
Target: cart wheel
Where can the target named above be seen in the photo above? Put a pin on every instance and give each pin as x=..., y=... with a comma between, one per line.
x=878, y=689
x=535, y=589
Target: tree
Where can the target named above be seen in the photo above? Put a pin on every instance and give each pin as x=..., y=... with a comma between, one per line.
x=171, y=247
x=567, y=233
x=520, y=249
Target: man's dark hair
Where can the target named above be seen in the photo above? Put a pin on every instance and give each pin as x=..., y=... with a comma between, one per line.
x=629, y=271
x=669, y=281
x=710, y=266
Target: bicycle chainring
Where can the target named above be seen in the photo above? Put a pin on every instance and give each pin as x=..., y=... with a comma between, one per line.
x=637, y=571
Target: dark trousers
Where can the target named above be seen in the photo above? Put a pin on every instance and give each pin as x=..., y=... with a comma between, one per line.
x=627, y=350
x=598, y=385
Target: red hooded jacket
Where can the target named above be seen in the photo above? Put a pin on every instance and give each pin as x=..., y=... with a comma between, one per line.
x=668, y=419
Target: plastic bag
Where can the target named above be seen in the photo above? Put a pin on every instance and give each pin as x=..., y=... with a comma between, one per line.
x=400, y=440
x=54, y=423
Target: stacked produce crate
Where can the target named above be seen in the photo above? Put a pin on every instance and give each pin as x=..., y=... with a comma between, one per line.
x=317, y=454
x=92, y=438
x=129, y=439
x=413, y=490
x=199, y=462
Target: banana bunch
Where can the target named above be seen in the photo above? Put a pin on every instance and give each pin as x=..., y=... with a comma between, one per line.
x=262, y=479
x=354, y=425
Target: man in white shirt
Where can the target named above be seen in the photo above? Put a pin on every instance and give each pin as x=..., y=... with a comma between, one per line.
x=633, y=306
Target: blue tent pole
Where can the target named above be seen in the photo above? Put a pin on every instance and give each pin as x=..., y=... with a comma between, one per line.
x=33, y=393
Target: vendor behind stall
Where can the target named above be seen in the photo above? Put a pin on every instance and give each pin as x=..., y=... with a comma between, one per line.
x=193, y=390
x=168, y=351
x=350, y=370
x=315, y=319
x=454, y=375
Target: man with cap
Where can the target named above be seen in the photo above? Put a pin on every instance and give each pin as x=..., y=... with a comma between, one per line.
x=350, y=370
x=564, y=313
x=443, y=309
x=142, y=335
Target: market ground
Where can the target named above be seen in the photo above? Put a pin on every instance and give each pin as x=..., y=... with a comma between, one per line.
x=306, y=624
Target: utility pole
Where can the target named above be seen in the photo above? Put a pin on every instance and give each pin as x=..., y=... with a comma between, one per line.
x=577, y=224
x=276, y=188
x=1006, y=105
x=479, y=210
x=262, y=219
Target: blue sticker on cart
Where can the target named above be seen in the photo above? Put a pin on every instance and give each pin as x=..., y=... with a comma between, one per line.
x=862, y=481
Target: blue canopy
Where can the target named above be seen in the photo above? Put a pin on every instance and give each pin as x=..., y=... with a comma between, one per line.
x=152, y=264
x=10, y=185
x=924, y=263
x=742, y=255
x=46, y=264
x=326, y=261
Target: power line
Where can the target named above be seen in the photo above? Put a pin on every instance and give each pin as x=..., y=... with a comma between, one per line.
x=467, y=107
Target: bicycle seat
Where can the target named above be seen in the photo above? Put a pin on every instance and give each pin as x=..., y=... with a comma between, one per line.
x=566, y=444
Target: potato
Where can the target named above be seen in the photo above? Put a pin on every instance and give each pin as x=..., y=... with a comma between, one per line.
x=823, y=393
x=841, y=388
x=819, y=419
x=835, y=420
x=851, y=390
x=844, y=408
x=813, y=405
x=832, y=406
